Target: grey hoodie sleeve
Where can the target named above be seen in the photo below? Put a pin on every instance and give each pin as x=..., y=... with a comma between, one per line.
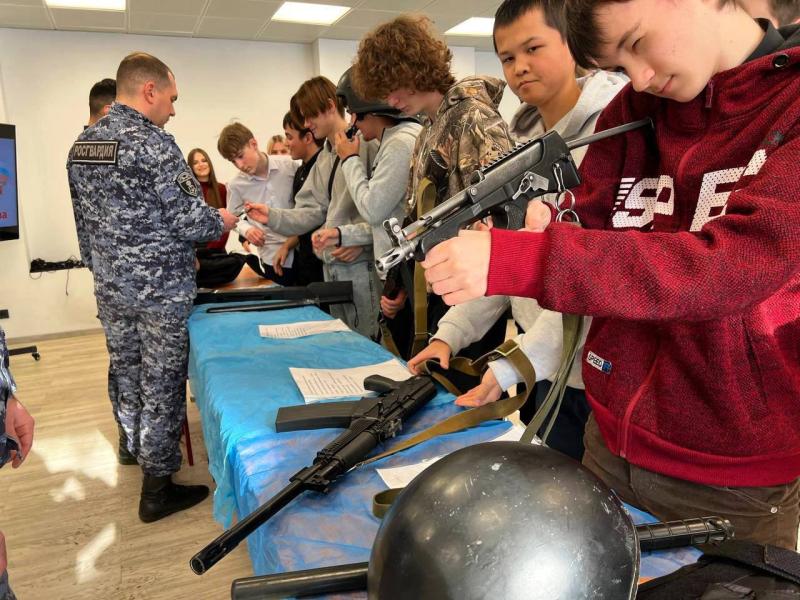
x=379, y=197
x=355, y=234
x=469, y=322
x=543, y=345
x=310, y=207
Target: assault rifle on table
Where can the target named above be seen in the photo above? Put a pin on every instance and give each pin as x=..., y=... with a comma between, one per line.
x=501, y=190
x=353, y=577
x=371, y=421
x=322, y=294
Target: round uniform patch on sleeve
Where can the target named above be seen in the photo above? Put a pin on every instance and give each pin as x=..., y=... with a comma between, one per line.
x=187, y=183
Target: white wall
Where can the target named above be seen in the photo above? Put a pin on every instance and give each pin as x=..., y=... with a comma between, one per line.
x=487, y=63
x=333, y=57
x=45, y=77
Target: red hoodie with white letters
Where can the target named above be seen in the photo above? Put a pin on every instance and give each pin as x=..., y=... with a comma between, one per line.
x=690, y=263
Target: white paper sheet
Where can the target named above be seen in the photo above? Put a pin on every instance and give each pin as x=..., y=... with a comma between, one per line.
x=301, y=329
x=321, y=384
x=396, y=477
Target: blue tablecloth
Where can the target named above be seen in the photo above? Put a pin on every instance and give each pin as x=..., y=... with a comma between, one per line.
x=239, y=381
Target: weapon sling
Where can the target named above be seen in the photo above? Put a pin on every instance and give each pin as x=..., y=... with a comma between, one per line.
x=426, y=199
x=545, y=415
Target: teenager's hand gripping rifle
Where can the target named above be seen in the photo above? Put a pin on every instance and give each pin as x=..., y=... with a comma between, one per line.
x=371, y=421
x=501, y=190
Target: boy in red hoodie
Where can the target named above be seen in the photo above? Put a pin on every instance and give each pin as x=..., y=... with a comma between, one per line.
x=689, y=263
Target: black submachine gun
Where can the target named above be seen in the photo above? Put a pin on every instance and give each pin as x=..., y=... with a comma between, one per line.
x=369, y=422
x=500, y=190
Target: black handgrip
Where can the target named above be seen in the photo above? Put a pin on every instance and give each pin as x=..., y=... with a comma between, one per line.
x=380, y=384
x=687, y=532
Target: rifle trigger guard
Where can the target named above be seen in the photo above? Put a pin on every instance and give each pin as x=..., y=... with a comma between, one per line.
x=525, y=185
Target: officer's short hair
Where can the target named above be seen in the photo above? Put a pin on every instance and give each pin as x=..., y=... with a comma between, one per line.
x=314, y=97
x=138, y=68
x=102, y=94
x=232, y=139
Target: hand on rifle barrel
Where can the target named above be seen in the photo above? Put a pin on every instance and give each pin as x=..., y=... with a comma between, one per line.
x=390, y=307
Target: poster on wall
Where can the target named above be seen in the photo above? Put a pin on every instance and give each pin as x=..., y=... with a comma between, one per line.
x=9, y=206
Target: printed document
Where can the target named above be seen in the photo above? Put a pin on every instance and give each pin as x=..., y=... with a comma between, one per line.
x=396, y=477
x=290, y=331
x=322, y=384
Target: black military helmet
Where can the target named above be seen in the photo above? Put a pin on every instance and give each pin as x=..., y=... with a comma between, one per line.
x=358, y=106
x=505, y=520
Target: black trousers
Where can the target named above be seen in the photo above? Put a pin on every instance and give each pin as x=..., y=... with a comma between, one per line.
x=217, y=268
x=267, y=272
x=567, y=433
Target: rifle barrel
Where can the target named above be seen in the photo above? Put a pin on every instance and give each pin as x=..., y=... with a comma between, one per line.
x=220, y=547
x=310, y=582
x=601, y=135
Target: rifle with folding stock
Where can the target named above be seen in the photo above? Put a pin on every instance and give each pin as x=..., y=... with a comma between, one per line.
x=500, y=190
x=371, y=421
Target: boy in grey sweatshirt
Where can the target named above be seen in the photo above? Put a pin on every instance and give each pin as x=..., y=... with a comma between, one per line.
x=381, y=194
x=325, y=201
x=531, y=45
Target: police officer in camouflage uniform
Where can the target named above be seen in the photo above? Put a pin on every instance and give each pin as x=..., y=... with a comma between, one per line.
x=16, y=439
x=138, y=210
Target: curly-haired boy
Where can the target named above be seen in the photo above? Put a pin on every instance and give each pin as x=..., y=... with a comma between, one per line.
x=404, y=62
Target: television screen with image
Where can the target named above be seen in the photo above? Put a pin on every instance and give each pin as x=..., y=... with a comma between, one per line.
x=9, y=205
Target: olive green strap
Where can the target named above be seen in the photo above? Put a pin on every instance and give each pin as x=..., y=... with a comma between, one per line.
x=382, y=501
x=426, y=200
x=573, y=330
x=387, y=339
x=473, y=416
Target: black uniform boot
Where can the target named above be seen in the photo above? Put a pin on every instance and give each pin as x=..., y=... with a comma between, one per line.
x=123, y=456
x=161, y=497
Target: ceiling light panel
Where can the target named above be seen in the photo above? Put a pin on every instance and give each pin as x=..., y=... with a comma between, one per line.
x=315, y=14
x=474, y=26
x=87, y=4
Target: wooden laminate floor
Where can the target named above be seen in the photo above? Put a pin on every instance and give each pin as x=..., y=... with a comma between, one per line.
x=69, y=513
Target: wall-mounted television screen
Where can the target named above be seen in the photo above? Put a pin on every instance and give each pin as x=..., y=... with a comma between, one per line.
x=9, y=204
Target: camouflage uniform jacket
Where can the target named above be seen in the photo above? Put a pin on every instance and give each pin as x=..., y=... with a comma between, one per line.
x=7, y=388
x=466, y=134
x=138, y=209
